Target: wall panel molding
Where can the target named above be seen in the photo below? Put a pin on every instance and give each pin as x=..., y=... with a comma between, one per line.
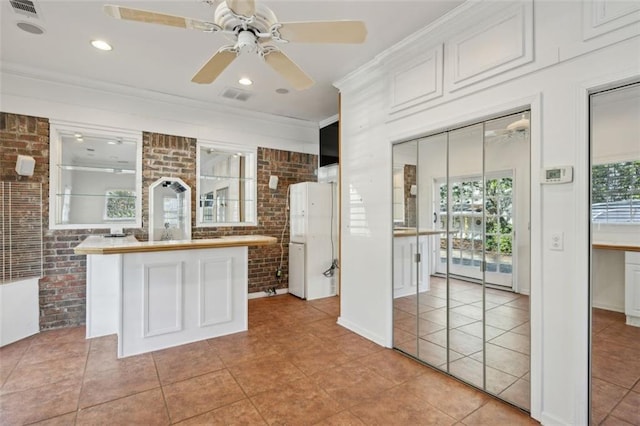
x=604, y=16
x=215, y=291
x=501, y=43
x=162, y=299
x=418, y=81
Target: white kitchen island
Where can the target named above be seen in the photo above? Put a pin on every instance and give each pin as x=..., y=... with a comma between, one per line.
x=160, y=294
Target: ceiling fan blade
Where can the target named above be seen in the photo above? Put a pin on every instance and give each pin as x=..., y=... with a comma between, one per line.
x=242, y=7
x=138, y=15
x=324, y=32
x=214, y=67
x=289, y=70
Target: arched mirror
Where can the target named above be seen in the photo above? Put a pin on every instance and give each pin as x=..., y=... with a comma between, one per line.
x=169, y=210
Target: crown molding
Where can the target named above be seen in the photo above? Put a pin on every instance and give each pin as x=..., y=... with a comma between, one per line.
x=145, y=95
x=367, y=71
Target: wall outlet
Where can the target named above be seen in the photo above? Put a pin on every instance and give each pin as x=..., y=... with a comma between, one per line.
x=278, y=273
x=557, y=241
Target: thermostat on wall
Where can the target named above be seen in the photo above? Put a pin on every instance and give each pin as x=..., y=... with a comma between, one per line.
x=557, y=174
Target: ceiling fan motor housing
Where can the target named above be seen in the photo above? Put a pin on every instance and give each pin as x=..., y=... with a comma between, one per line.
x=247, y=42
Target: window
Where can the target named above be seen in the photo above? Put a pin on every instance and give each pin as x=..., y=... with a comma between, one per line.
x=615, y=196
x=120, y=204
x=226, y=188
x=95, y=177
x=398, y=195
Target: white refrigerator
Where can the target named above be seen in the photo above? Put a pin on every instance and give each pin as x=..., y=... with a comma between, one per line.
x=313, y=240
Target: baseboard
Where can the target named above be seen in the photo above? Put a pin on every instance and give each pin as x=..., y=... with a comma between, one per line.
x=608, y=307
x=362, y=332
x=260, y=294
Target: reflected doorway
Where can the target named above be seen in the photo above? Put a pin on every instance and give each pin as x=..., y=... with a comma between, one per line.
x=461, y=253
x=615, y=255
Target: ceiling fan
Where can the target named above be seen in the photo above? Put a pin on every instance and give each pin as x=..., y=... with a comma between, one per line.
x=251, y=27
x=514, y=128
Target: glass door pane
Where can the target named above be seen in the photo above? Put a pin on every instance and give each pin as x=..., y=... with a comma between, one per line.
x=465, y=218
x=506, y=256
x=432, y=297
x=406, y=277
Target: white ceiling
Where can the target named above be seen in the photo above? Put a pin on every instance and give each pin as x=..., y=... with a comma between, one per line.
x=163, y=59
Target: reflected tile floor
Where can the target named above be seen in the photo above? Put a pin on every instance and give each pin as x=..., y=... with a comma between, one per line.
x=420, y=330
x=615, y=370
x=294, y=366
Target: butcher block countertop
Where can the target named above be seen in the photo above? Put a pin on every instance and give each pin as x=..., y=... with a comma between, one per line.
x=98, y=244
x=411, y=232
x=615, y=246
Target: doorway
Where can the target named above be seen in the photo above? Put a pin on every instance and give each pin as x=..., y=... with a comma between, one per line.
x=614, y=134
x=461, y=253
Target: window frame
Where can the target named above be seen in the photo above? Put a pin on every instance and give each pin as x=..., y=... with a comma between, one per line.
x=251, y=153
x=58, y=128
x=607, y=225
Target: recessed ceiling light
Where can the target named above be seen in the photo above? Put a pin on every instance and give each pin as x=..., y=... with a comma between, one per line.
x=245, y=81
x=79, y=140
x=77, y=135
x=101, y=44
x=282, y=91
x=111, y=142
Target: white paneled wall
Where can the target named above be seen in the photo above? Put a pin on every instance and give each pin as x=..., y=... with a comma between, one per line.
x=498, y=57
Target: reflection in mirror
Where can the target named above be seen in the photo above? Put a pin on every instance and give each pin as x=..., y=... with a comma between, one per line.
x=95, y=177
x=405, y=307
x=462, y=305
x=169, y=210
x=615, y=255
x=226, y=187
x=507, y=257
x=432, y=297
x=465, y=189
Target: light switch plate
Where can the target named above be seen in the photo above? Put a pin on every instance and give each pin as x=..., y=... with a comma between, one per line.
x=557, y=241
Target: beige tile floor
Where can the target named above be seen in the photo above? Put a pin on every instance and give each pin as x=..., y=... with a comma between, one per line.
x=294, y=366
x=420, y=330
x=615, y=370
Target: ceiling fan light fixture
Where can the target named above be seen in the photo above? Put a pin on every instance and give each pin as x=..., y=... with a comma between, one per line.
x=245, y=81
x=101, y=45
x=519, y=125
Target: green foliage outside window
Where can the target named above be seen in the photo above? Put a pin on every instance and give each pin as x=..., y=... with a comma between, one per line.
x=120, y=204
x=467, y=200
x=615, y=196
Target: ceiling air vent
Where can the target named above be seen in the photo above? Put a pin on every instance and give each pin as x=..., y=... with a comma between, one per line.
x=24, y=7
x=237, y=94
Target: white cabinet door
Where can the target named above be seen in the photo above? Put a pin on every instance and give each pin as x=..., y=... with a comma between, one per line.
x=407, y=275
x=296, y=270
x=632, y=288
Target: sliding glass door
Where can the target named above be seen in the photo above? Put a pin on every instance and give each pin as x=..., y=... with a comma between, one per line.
x=461, y=255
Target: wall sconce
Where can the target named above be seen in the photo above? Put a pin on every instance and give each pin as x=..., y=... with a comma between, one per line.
x=25, y=165
x=273, y=182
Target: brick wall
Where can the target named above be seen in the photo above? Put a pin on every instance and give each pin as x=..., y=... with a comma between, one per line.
x=410, y=210
x=166, y=156
x=63, y=287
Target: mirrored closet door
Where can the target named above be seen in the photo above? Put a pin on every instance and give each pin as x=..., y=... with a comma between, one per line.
x=461, y=253
x=615, y=255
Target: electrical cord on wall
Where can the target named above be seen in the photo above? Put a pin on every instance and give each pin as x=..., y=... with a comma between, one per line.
x=334, y=262
x=284, y=228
